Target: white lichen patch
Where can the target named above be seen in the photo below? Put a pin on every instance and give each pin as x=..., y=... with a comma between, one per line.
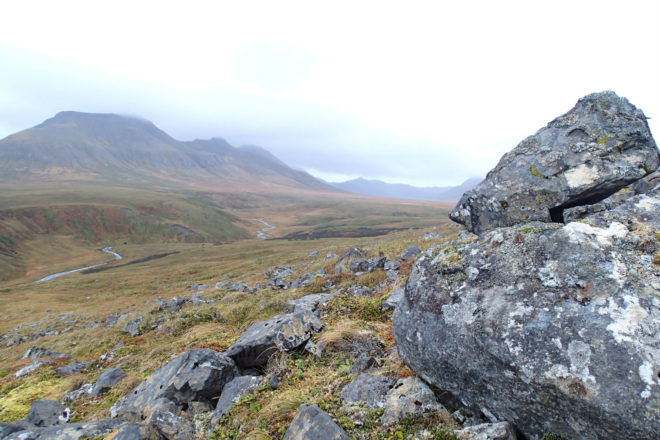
x=625, y=321
x=648, y=203
x=548, y=275
x=619, y=270
x=582, y=233
x=580, y=176
x=459, y=313
x=646, y=374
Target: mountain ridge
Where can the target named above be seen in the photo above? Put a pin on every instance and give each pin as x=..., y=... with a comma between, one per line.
x=372, y=187
x=109, y=147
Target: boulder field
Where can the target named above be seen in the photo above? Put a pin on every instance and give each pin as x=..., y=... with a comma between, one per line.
x=553, y=327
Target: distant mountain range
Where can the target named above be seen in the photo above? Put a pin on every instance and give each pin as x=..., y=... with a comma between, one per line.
x=402, y=191
x=74, y=146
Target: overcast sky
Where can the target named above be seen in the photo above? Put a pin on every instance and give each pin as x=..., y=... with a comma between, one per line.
x=427, y=93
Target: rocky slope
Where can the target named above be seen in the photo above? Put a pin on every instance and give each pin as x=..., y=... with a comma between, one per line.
x=553, y=327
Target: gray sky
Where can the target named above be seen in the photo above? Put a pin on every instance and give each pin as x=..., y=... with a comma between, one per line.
x=427, y=93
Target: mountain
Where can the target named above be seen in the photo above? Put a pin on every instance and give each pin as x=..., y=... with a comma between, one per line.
x=402, y=191
x=112, y=148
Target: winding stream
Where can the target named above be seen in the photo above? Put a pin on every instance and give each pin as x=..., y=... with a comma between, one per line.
x=261, y=233
x=107, y=250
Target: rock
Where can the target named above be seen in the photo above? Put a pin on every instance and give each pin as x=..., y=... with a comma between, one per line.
x=431, y=235
x=132, y=327
x=409, y=397
x=358, y=290
x=359, y=265
x=232, y=392
x=47, y=413
x=376, y=263
x=195, y=300
x=313, y=254
x=281, y=332
x=32, y=367
x=329, y=256
x=279, y=272
x=411, y=252
x=222, y=284
x=310, y=422
x=309, y=302
x=350, y=254
x=69, y=431
x=536, y=322
x=38, y=353
x=313, y=349
x=134, y=431
x=600, y=146
x=277, y=283
x=164, y=419
x=363, y=363
x=107, y=380
x=392, y=265
x=488, y=431
x=15, y=426
x=173, y=305
x=391, y=302
x=392, y=275
x=195, y=375
x=367, y=389
x=72, y=368
x=83, y=391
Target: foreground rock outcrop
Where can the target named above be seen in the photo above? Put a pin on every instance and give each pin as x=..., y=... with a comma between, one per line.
x=197, y=375
x=581, y=157
x=552, y=327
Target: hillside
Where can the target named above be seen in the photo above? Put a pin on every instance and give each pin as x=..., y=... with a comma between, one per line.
x=403, y=191
x=110, y=148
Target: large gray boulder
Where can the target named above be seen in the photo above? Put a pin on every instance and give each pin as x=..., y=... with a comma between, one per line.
x=312, y=423
x=554, y=328
x=600, y=146
x=280, y=333
x=195, y=375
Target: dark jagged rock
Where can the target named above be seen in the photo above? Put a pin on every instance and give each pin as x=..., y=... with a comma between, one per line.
x=600, y=146
x=47, y=413
x=359, y=265
x=411, y=252
x=392, y=265
x=535, y=324
x=196, y=375
x=409, y=397
x=15, y=426
x=367, y=389
x=310, y=422
x=107, y=380
x=69, y=431
x=350, y=254
x=134, y=431
x=232, y=392
x=280, y=333
x=72, y=368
